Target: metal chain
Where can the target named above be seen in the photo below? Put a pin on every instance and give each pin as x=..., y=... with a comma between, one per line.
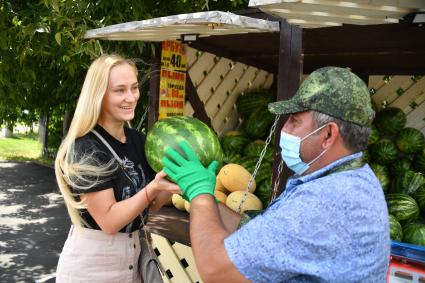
x=277, y=180
x=260, y=159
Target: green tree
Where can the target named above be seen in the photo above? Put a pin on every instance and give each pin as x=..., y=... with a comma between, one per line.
x=44, y=57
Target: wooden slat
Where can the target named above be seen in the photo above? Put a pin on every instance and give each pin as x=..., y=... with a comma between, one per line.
x=204, y=63
x=413, y=93
x=376, y=82
x=416, y=118
x=185, y=252
x=241, y=85
x=231, y=122
x=260, y=80
x=388, y=92
x=208, y=86
x=169, y=260
x=191, y=56
x=193, y=97
x=215, y=104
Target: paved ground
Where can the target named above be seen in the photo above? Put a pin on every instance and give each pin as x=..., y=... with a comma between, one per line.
x=33, y=222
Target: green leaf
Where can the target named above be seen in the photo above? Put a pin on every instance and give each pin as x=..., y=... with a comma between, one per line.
x=58, y=38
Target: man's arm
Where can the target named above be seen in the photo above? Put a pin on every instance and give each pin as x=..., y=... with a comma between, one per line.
x=229, y=218
x=207, y=234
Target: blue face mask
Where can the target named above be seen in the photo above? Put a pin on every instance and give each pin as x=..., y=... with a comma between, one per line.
x=291, y=146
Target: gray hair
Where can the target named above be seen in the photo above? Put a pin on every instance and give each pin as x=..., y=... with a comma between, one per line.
x=355, y=137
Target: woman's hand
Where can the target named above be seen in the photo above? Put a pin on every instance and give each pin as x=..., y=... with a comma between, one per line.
x=161, y=184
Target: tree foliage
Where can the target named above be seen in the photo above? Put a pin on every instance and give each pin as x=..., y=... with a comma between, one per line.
x=44, y=57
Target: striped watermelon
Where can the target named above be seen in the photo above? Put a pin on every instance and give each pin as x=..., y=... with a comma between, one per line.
x=390, y=120
x=249, y=102
x=407, y=183
x=171, y=131
x=403, y=207
x=410, y=140
x=264, y=191
x=400, y=166
x=383, y=151
x=234, y=141
x=396, y=231
x=419, y=196
x=255, y=148
x=419, y=161
x=414, y=233
x=374, y=135
x=258, y=124
x=381, y=173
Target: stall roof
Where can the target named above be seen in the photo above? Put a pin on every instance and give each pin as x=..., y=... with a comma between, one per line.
x=326, y=13
x=204, y=24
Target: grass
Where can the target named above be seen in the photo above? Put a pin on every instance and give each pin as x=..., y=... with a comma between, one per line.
x=22, y=147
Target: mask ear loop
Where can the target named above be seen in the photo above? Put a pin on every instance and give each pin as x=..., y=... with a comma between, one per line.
x=323, y=152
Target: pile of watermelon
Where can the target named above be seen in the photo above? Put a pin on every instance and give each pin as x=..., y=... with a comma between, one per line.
x=397, y=156
x=243, y=145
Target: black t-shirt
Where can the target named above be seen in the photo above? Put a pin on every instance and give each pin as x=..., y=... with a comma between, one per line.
x=125, y=183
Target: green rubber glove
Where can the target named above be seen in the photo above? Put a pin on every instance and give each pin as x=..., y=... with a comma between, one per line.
x=189, y=173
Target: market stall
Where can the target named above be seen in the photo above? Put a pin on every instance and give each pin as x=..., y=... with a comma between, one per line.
x=230, y=54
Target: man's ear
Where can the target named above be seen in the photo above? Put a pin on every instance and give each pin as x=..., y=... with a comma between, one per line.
x=331, y=132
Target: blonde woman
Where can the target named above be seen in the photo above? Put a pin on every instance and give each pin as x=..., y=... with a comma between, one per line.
x=105, y=199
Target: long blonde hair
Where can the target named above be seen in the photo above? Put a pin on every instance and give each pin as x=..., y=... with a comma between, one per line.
x=83, y=172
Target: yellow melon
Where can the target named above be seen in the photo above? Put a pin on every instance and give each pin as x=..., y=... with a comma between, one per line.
x=252, y=202
x=235, y=178
x=220, y=196
x=187, y=206
x=219, y=186
x=178, y=202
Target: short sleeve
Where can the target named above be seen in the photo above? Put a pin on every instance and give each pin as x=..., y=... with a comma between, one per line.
x=89, y=152
x=285, y=240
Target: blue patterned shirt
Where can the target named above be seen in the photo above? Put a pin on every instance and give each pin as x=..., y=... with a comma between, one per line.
x=323, y=228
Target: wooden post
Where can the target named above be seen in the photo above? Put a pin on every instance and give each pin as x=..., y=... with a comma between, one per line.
x=153, y=96
x=198, y=106
x=288, y=80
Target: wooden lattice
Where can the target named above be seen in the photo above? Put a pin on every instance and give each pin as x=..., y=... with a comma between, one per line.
x=404, y=92
x=219, y=82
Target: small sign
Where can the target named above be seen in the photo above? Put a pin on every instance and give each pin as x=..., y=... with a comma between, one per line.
x=173, y=56
x=172, y=81
x=171, y=93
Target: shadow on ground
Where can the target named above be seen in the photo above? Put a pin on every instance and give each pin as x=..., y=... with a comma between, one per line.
x=33, y=222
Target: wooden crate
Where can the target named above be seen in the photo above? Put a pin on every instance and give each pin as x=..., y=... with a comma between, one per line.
x=176, y=259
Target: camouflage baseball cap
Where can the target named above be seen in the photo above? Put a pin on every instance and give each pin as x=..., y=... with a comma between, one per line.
x=334, y=91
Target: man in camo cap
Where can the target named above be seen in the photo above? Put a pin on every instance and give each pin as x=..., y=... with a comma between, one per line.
x=331, y=222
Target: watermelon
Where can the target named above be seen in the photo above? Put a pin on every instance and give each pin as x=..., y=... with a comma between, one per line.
x=403, y=207
x=255, y=148
x=419, y=197
x=234, y=141
x=249, y=102
x=258, y=124
x=374, y=136
x=381, y=173
x=414, y=233
x=407, y=183
x=390, y=120
x=419, y=161
x=400, y=166
x=396, y=232
x=171, y=131
x=231, y=157
x=410, y=140
x=383, y=151
x=264, y=191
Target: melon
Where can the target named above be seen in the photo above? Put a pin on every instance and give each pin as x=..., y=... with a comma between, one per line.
x=234, y=177
x=178, y=202
x=252, y=202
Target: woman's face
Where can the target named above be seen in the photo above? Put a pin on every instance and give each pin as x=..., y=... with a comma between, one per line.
x=121, y=96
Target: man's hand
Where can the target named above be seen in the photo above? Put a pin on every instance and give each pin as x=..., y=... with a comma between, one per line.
x=189, y=173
